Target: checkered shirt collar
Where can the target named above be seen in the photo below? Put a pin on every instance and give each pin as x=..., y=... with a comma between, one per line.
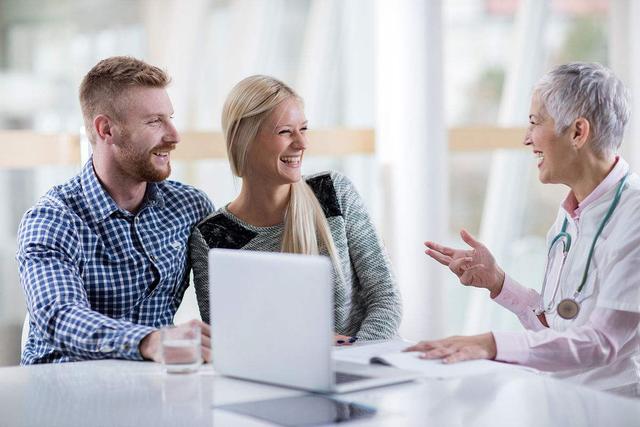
x=100, y=202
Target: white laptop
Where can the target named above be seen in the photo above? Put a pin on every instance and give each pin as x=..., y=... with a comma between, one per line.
x=272, y=321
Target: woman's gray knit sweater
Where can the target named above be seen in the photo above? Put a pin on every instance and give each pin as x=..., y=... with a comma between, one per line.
x=367, y=306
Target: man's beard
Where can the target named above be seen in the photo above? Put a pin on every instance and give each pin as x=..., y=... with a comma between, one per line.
x=139, y=163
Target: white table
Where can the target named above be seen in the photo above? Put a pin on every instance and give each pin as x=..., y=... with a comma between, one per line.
x=122, y=393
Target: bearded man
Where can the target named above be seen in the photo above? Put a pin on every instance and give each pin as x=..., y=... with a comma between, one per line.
x=103, y=257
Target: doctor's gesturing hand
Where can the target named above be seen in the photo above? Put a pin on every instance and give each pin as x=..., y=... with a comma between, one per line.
x=474, y=267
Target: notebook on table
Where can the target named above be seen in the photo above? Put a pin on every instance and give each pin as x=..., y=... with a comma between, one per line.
x=391, y=353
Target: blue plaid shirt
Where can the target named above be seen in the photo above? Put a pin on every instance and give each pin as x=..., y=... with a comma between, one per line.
x=97, y=278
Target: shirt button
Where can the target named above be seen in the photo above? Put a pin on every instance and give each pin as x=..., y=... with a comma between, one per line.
x=125, y=347
x=137, y=219
x=152, y=258
x=106, y=349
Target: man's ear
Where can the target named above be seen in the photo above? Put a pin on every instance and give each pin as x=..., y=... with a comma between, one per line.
x=103, y=127
x=580, y=132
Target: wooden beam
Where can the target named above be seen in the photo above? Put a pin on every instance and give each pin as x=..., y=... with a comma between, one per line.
x=341, y=142
x=326, y=142
x=26, y=149
x=485, y=138
x=200, y=145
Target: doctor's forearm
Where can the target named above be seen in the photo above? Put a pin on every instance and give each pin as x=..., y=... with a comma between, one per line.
x=594, y=344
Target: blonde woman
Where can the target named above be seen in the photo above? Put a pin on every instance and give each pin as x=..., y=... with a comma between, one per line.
x=280, y=210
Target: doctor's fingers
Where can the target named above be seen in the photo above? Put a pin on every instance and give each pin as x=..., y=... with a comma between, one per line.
x=442, y=259
x=466, y=353
x=460, y=265
x=468, y=278
x=444, y=250
x=470, y=240
x=439, y=353
x=422, y=346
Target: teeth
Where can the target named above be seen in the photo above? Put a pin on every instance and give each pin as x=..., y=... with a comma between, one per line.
x=290, y=159
x=539, y=155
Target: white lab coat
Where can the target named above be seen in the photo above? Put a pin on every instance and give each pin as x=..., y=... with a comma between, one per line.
x=613, y=279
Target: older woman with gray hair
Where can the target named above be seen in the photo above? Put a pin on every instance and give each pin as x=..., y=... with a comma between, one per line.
x=583, y=324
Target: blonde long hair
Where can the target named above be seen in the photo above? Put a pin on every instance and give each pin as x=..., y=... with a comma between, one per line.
x=249, y=103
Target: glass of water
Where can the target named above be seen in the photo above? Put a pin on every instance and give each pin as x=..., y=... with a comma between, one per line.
x=180, y=347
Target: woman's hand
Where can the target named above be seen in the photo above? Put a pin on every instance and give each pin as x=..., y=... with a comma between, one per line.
x=340, y=340
x=457, y=349
x=474, y=267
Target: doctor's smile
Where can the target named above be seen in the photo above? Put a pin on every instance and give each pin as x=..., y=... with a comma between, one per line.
x=540, y=157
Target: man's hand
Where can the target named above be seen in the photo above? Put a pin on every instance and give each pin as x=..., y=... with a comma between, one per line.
x=150, y=345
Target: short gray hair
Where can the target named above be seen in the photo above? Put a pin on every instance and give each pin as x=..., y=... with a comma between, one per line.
x=589, y=90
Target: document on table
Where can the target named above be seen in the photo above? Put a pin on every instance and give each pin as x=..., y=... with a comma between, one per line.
x=390, y=353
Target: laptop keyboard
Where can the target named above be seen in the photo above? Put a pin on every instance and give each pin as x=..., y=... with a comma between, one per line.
x=343, y=377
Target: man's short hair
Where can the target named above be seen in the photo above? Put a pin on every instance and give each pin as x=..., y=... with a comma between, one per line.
x=102, y=87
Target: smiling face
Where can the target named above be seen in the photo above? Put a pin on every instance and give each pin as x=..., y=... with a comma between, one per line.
x=146, y=135
x=276, y=154
x=554, y=153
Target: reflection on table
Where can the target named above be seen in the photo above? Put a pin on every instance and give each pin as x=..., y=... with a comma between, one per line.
x=124, y=393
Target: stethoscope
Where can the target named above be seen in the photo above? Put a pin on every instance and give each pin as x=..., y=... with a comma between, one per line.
x=568, y=308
